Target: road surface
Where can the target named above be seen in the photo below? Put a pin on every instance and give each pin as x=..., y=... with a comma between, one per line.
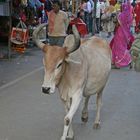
x=28, y=114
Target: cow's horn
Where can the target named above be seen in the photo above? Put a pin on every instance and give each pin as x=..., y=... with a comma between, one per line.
x=72, y=41
x=35, y=35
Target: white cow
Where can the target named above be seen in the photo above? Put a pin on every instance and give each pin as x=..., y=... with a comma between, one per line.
x=77, y=71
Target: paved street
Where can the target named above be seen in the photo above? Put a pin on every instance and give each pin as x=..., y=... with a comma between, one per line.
x=20, y=64
x=28, y=114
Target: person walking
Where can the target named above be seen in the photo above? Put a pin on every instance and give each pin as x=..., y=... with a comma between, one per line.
x=57, y=24
x=98, y=14
x=120, y=44
x=135, y=53
x=82, y=8
x=137, y=17
x=107, y=22
x=88, y=15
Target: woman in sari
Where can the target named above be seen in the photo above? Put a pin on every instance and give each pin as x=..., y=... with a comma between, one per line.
x=137, y=18
x=120, y=44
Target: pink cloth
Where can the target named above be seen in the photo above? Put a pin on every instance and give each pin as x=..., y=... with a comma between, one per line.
x=51, y=20
x=119, y=44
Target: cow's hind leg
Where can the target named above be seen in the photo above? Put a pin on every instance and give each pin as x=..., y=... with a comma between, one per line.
x=98, y=104
x=84, y=116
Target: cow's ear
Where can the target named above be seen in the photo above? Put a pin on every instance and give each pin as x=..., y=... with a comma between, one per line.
x=68, y=43
x=72, y=41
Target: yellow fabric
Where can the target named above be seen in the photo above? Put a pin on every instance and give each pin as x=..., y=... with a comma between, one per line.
x=117, y=7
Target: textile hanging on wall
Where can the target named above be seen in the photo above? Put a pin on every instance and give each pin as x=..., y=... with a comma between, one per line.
x=19, y=35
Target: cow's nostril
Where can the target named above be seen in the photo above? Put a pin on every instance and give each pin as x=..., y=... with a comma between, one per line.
x=46, y=90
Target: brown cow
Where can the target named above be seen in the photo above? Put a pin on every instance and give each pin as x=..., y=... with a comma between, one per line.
x=77, y=72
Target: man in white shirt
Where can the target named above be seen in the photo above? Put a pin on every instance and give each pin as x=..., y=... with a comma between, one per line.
x=57, y=25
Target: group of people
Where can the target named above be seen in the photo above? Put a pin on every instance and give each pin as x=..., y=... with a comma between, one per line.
x=88, y=13
x=123, y=38
x=121, y=42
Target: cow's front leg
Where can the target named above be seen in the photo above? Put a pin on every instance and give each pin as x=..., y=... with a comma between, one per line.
x=76, y=98
x=70, y=135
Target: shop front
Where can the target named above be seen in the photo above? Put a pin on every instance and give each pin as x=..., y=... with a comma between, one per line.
x=5, y=26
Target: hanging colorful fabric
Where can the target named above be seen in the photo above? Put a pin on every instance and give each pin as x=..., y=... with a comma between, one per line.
x=19, y=35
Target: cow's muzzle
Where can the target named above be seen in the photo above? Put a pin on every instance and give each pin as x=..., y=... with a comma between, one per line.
x=46, y=90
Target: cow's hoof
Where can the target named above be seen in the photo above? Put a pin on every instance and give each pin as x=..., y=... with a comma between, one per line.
x=96, y=126
x=68, y=138
x=84, y=119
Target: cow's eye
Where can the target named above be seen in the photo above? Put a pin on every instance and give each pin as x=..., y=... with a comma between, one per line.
x=59, y=65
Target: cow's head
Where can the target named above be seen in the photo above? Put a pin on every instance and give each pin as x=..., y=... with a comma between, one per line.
x=55, y=58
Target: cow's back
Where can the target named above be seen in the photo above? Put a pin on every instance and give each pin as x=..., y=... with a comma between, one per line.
x=98, y=55
x=92, y=67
